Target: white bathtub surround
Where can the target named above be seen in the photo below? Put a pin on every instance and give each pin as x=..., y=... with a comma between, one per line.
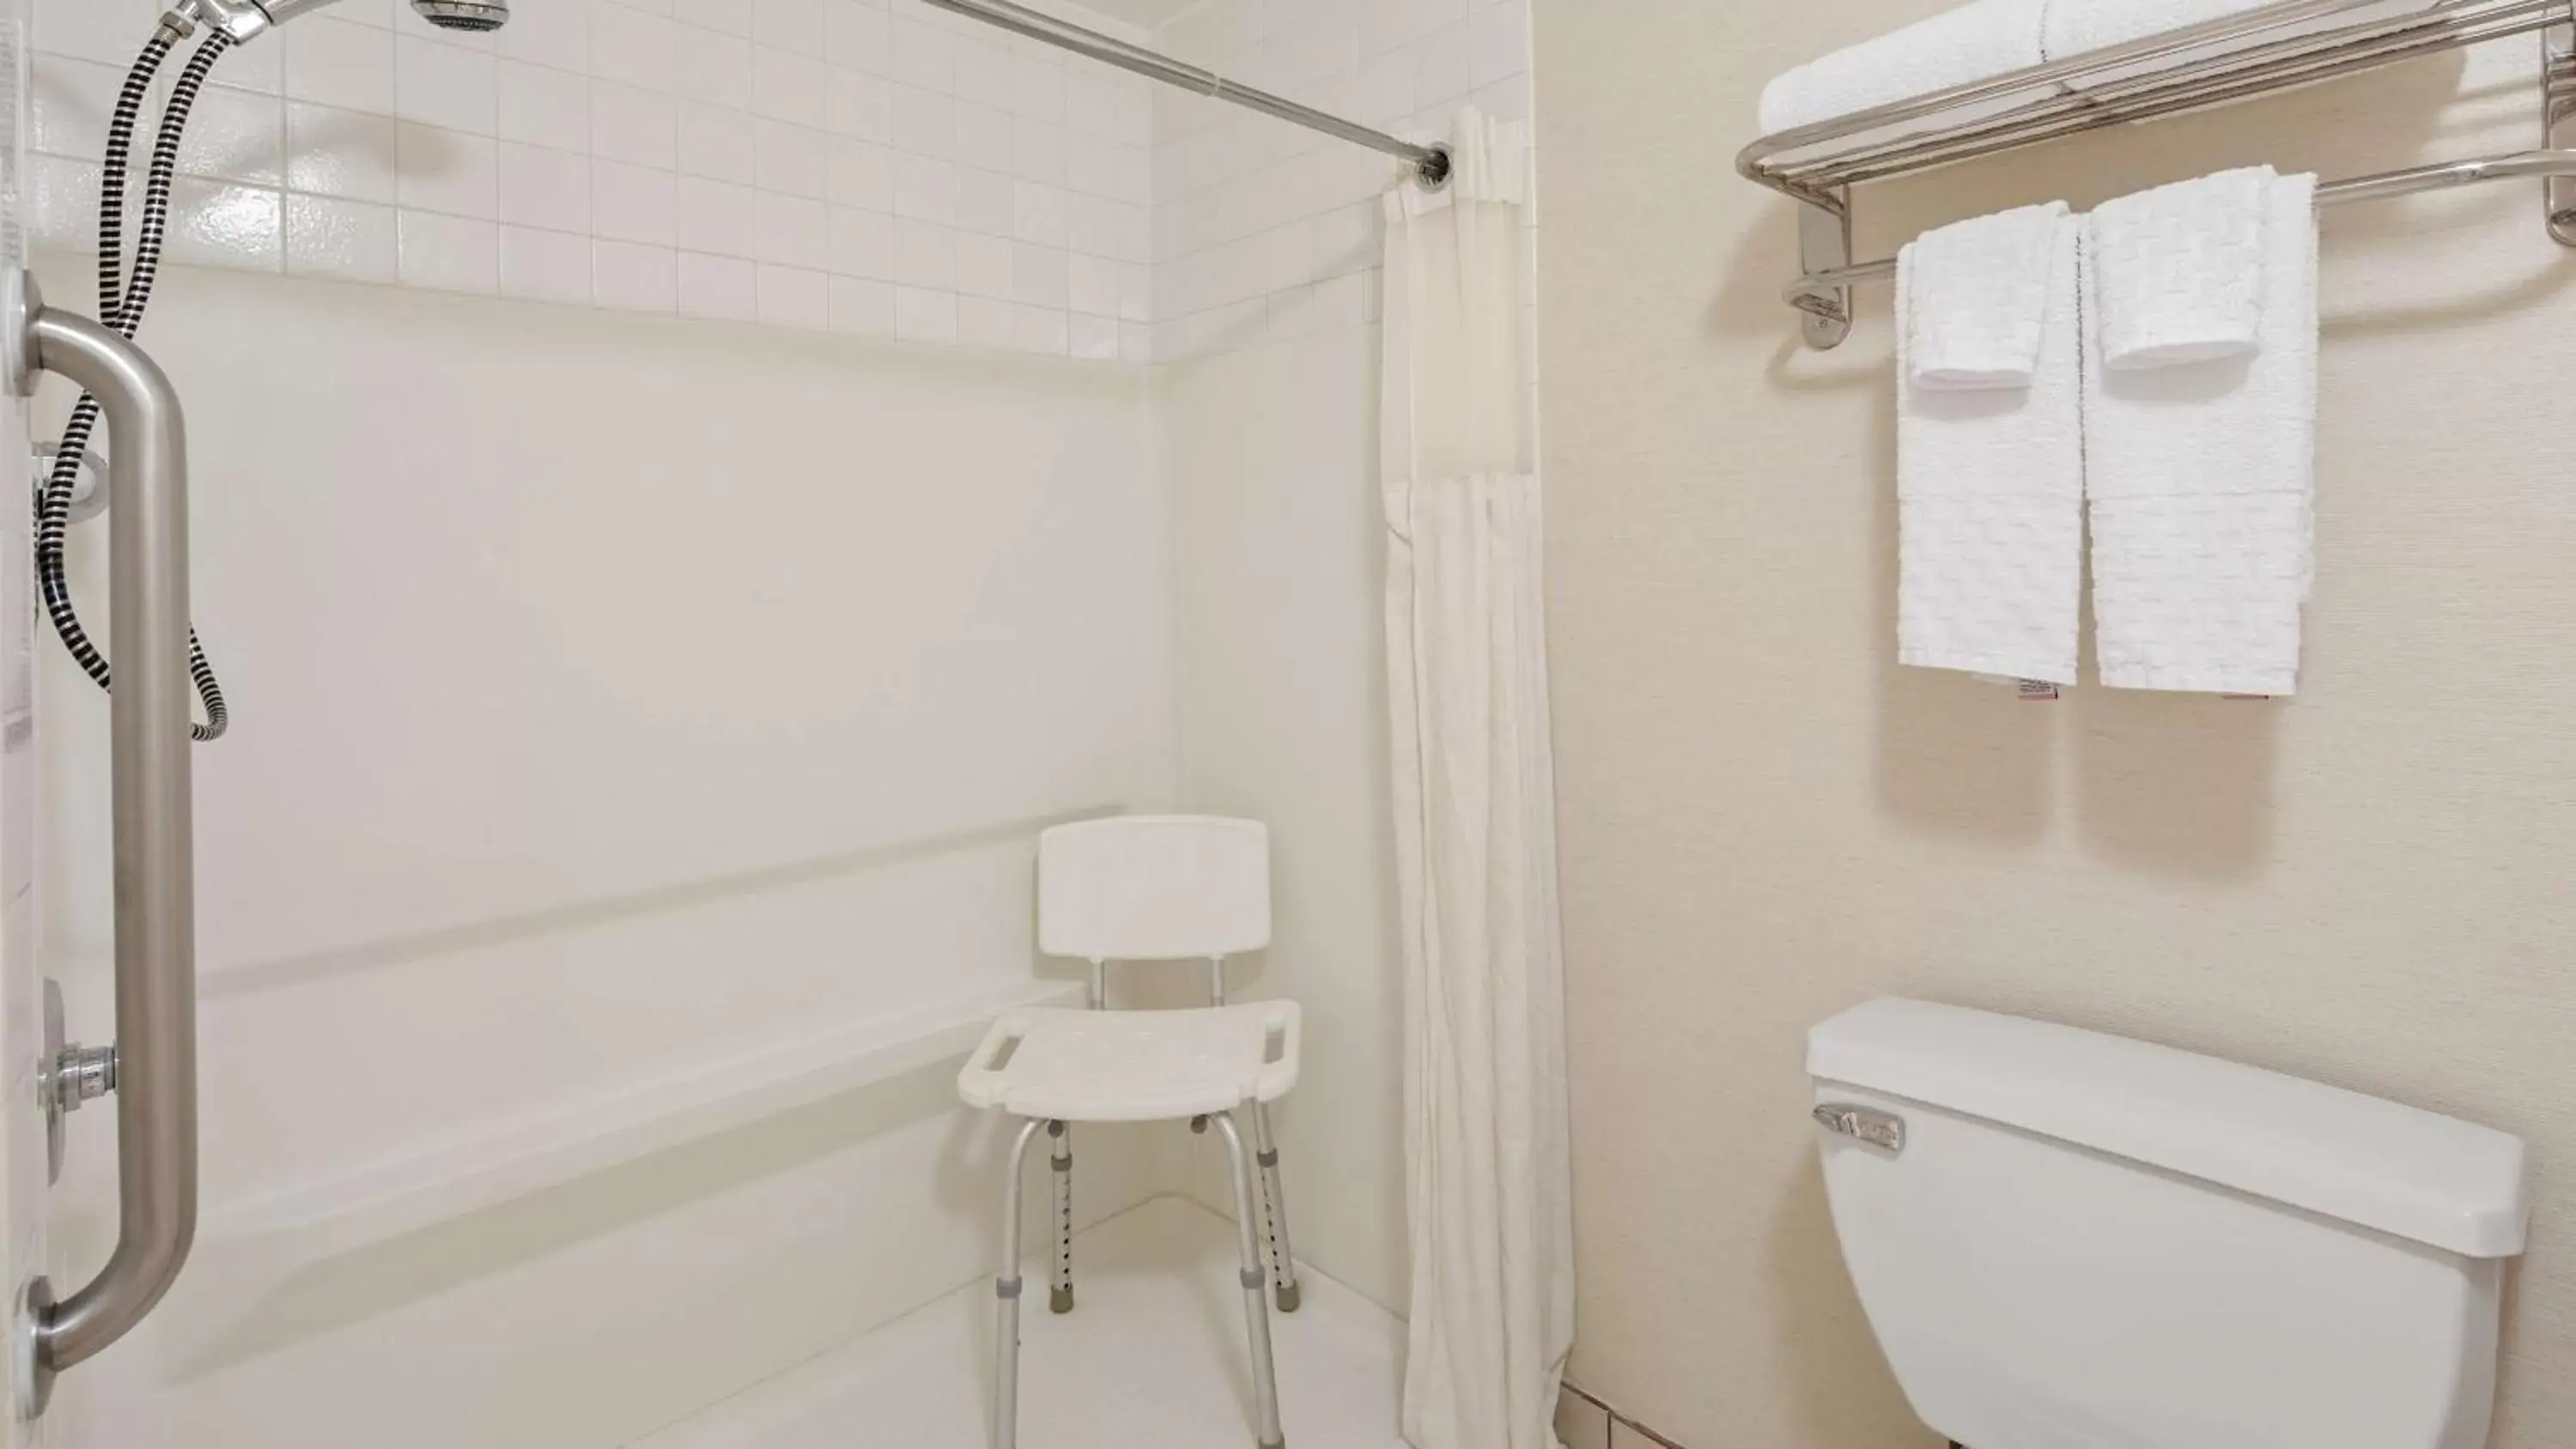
x=470, y=813
x=1489, y=1197
x=1134, y=1365
x=1990, y=488
x=2201, y=480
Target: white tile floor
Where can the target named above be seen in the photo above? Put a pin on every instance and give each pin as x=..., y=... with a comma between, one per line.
x=1153, y=1358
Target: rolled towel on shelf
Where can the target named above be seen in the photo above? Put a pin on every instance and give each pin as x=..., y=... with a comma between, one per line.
x=2178, y=271
x=1990, y=495
x=1978, y=298
x=1972, y=43
x=1991, y=38
x=2077, y=27
x=2201, y=480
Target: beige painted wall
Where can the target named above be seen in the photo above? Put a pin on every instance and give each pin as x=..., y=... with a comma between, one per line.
x=1766, y=821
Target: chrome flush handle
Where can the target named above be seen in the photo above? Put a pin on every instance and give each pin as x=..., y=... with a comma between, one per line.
x=1878, y=1129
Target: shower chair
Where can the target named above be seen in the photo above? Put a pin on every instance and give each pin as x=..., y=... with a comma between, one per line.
x=1147, y=889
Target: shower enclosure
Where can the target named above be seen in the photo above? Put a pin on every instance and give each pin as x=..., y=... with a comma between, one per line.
x=636, y=728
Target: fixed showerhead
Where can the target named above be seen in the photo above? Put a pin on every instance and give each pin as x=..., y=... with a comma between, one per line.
x=464, y=14
x=244, y=19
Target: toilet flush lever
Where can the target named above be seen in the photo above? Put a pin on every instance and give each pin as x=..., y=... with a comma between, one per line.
x=1878, y=1129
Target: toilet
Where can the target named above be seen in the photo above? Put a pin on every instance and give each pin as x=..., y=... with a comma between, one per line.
x=2065, y=1240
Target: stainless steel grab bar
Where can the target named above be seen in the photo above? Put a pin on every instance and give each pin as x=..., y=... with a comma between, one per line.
x=156, y=985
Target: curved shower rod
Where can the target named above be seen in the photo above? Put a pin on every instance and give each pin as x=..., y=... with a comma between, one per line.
x=1429, y=163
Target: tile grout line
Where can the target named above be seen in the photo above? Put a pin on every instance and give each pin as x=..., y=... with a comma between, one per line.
x=1619, y=1420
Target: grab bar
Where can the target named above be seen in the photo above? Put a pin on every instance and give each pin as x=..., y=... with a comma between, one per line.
x=155, y=1064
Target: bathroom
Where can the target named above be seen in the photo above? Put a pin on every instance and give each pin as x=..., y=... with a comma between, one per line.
x=687, y=494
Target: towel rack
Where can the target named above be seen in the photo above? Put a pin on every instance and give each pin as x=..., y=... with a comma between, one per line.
x=2230, y=59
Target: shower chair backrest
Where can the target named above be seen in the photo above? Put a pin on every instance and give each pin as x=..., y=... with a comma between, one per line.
x=1154, y=888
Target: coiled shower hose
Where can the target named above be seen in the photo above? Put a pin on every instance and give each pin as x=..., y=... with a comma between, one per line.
x=121, y=300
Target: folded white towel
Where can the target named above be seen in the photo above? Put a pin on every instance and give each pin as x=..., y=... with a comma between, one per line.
x=1977, y=295
x=1990, y=502
x=2202, y=479
x=2178, y=271
x=1972, y=43
x=2074, y=27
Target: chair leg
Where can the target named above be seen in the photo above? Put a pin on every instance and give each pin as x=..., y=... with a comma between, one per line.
x=1061, y=1301
x=1256, y=1303
x=1274, y=1212
x=1006, y=1290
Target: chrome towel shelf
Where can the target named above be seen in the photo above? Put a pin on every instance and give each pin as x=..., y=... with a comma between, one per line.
x=2235, y=58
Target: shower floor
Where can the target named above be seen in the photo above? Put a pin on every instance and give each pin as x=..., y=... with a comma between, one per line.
x=1153, y=1357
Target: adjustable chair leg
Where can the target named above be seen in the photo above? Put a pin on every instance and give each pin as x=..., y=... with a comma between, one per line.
x=1274, y=1212
x=1006, y=1290
x=1061, y=1301
x=1256, y=1304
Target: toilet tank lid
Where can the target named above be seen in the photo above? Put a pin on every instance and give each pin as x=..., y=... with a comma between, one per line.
x=2409, y=1173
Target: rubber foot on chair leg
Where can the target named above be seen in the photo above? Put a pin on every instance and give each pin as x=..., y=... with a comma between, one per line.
x=1280, y=1443
x=1290, y=1298
x=1060, y=1300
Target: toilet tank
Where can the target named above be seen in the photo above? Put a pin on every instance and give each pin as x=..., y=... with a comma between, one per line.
x=2066, y=1239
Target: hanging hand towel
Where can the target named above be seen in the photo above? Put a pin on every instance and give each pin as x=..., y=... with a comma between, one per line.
x=1990, y=498
x=2178, y=271
x=2201, y=480
x=2075, y=27
x=1977, y=297
x=1972, y=43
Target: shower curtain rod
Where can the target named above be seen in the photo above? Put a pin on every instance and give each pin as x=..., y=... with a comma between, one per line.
x=1431, y=163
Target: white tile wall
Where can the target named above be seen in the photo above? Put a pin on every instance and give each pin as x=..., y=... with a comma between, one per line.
x=872, y=166
x=1263, y=230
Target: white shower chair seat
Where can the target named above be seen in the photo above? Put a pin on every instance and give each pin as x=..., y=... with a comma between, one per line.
x=1147, y=889
x=1135, y=1066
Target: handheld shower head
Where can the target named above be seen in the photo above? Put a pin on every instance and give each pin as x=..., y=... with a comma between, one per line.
x=244, y=19
x=464, y=14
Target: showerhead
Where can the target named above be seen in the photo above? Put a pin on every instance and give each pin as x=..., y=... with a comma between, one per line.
x=464, y=14
x=244, y=19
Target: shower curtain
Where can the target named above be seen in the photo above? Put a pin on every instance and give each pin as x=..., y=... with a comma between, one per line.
x=1485, y=1118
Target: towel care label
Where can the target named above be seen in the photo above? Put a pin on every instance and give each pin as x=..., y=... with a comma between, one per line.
x=2031, y=691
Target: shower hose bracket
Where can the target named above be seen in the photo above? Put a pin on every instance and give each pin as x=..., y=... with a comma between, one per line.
x=89, y=485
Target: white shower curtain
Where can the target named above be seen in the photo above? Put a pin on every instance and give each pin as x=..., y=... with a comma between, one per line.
x=1485, y=1118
